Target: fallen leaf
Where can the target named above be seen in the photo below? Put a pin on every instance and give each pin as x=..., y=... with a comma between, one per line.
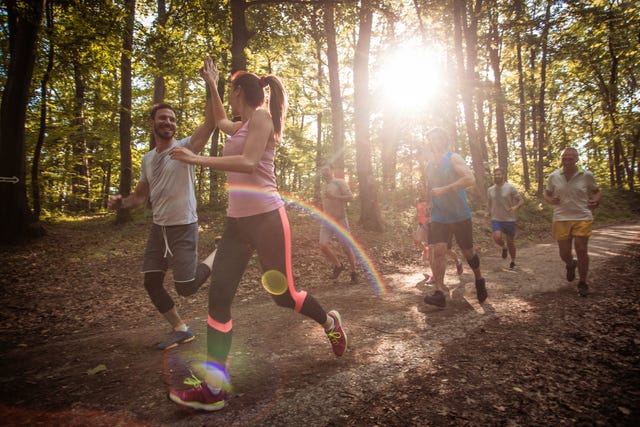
x=97, y=369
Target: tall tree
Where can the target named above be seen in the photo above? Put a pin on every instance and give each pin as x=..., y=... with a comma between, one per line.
x=495, y=44
x=465, y=28
x=159, y=49
x=126, y=167
x=540, y=104
x=16, y=219
x=240, y=35
x=522, y=101
x=81, y=179
x=42, y=130
x=369, y=211
x=335, y=94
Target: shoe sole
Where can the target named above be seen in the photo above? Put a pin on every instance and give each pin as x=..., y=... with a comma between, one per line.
x=197, y=405
x=436, y=305
x=175, y=344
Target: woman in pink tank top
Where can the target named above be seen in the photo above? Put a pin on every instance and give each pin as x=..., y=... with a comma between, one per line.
x=256, y=222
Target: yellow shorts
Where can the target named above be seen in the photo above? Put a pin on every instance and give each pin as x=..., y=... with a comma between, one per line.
x=564, y=230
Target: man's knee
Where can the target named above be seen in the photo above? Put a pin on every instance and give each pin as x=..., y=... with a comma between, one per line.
x=159, y=296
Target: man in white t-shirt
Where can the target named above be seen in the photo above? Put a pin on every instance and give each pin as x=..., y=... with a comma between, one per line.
x=574, y=194
x=503, y=202
x=173, y=238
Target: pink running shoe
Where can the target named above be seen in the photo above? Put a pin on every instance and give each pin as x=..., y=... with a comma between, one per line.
x=337, y=336
x=431, y=280
x=199, y=397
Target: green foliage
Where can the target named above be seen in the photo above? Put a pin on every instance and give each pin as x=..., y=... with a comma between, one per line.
x=617, y=205
x=585, y=106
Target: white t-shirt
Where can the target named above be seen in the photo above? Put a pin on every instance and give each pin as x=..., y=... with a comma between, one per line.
x=171, y=191
x=502, y=198
x=574, y=195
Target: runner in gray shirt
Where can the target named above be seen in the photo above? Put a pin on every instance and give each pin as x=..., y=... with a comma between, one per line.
x=503, y=202
x=173, y=238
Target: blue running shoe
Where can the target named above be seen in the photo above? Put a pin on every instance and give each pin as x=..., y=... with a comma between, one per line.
x=175, y=338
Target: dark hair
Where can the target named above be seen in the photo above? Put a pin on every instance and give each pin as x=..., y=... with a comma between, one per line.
x=160, y=106
x=253, y=89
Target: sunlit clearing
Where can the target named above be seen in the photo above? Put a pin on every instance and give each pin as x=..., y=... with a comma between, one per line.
x=411, y=76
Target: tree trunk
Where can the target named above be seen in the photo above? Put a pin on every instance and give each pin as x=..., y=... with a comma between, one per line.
x=80, y=181
x=534, y=112
x=494, y=55
x=16, y=219
x=468, y=82
x=317, y=180
x=159, y=87
x=44, y=84
x=369, y=211
x=337, y=113
x=541, y=100
x=522, y=104
x=240, y=35
x=126, y=179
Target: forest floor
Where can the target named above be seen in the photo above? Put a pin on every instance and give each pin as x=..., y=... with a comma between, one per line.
x=78, y=335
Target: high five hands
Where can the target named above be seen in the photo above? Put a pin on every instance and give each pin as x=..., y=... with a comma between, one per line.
x=209, y=72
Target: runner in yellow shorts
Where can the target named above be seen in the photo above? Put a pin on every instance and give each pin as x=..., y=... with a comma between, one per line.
x=574, y=194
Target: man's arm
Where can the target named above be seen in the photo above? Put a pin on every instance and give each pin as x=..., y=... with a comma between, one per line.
x=466, y=179
x=550, y=198
x=135, y=199
x=594, y=201
x=203, y=132
x=520, y=201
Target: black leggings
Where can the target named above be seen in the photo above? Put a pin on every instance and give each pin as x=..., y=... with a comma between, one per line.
x=269, y=235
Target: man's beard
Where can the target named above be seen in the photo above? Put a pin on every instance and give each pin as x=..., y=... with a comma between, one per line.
x=498, y=181
x=164, y=132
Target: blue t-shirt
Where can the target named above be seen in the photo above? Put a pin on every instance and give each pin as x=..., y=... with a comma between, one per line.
x=452, y=206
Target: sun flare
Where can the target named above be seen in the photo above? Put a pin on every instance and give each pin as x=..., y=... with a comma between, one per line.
x=411, y=76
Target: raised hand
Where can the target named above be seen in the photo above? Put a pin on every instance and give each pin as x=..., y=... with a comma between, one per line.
x=209, y=71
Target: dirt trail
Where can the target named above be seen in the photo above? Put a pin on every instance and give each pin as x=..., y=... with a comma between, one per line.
x=281, y=366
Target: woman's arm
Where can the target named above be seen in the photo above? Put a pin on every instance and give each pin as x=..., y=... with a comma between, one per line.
x=260, y=133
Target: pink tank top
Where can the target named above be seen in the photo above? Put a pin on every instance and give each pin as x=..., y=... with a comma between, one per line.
x=254, y=193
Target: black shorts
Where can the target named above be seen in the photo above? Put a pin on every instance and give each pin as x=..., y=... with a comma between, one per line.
x=440, y=232
x=430, y=239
